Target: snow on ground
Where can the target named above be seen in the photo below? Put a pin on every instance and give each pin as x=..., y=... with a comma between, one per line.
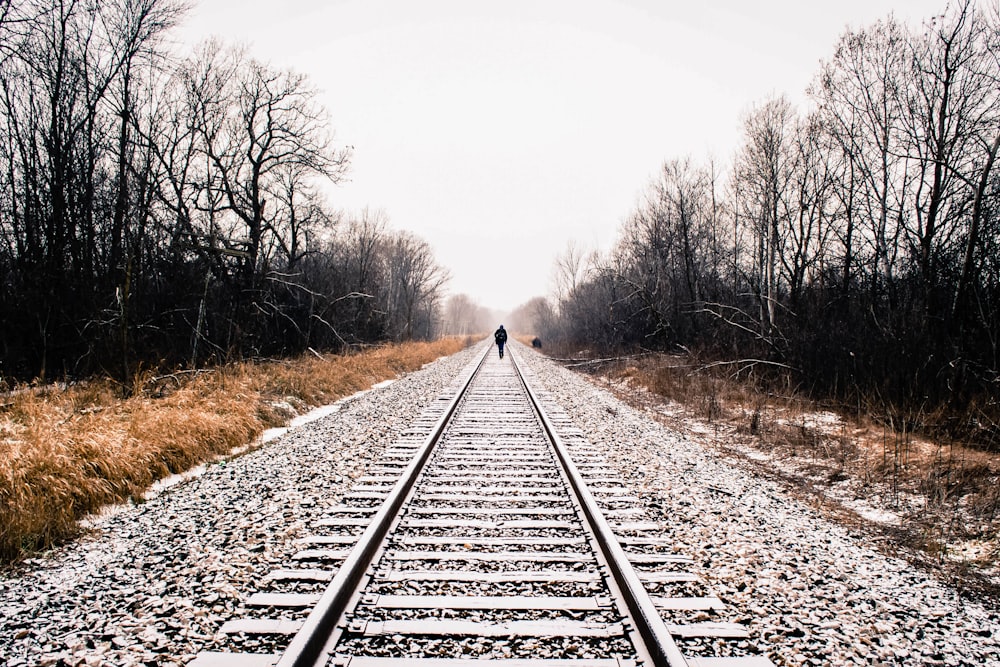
x=151, y=584
x=811, y=591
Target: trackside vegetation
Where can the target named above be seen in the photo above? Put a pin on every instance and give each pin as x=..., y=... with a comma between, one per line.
x=67, y=451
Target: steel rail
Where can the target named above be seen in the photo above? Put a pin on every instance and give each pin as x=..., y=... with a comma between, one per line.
x=310, y=644
x=657, y=640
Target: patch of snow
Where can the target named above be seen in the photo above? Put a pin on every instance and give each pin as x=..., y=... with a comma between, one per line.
x=875, y=515
x=756, y=455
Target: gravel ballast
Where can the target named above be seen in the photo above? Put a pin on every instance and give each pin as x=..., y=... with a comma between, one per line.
x=810, y=591
x=151, y=584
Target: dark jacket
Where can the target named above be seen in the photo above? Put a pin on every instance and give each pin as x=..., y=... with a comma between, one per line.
x=500, y=336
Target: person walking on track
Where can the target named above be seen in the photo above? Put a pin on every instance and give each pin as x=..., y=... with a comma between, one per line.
x=500, y=336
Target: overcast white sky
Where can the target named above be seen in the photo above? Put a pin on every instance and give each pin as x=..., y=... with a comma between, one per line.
x=499, y=131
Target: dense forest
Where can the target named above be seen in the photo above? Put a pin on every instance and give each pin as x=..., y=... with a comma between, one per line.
x=852, y=246
x=162, y=208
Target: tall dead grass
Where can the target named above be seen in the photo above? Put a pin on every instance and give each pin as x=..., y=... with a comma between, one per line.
x=64, y=453
x=945, y=489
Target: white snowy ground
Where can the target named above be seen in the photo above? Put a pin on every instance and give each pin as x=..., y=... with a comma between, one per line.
x=151, y=584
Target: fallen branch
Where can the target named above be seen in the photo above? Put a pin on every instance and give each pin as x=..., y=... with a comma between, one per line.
x=572, y=363
x=746, y=364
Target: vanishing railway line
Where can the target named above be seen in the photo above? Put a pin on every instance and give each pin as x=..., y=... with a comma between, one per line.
x=489, y=530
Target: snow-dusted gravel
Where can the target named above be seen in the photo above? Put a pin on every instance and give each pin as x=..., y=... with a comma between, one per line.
x=152, y=584
x=810, y=591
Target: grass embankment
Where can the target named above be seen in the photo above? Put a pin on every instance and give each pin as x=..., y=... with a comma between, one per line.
x=64, y=453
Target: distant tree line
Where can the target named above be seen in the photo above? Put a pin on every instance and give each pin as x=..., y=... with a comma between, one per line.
x=854, y=244
x=156, y=209
x=465, y=317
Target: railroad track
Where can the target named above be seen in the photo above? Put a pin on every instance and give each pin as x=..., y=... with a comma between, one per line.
x=489, y=531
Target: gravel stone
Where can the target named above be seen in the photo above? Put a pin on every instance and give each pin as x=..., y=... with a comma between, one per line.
x=151, y=584
x=810, y=591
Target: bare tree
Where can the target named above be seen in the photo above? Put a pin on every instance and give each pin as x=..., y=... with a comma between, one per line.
x=135, y=30
x=857, y=245
x=267, y=123
x=537, y=317
x=809, y=224
x=570, y=269
x=16, y=19
x=173, y=210
x=64, y=95
x=860, y=93
x=415, y=287
x=952, y=121
x=763, y=175
x=988, y=140
x=360, y=254
x=463, y=316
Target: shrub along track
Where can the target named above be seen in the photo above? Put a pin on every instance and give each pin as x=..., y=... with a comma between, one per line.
x=809, y=476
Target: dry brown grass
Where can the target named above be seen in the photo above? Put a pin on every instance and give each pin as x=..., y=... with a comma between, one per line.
x=64, y=453
x=947, y=493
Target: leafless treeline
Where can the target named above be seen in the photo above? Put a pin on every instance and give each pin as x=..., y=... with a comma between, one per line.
x=155, y=208
x=464, y=317
x=856, y=242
